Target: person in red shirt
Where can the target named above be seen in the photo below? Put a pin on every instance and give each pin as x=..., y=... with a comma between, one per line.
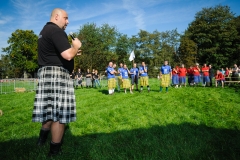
x=206, y=80
x=196, y=74
x=190, y=75
x=226, y=74
x=219, y=78
x=175, y=80
x=182, y=71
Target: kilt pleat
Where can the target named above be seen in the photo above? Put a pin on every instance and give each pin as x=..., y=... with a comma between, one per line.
x=144, y=81
x=55, y=98
x=111, y=83
x=165, y=80
x=125, y=83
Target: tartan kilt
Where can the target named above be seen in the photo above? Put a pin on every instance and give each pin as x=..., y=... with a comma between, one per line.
x=165, y=80
x=55, y=98
x=144, y=81
x=125, y=83
x=111, y=83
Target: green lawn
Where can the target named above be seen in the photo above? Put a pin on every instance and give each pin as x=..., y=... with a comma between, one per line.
x=187, y=123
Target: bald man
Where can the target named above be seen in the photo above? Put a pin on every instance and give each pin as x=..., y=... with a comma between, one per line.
x=111, y=77
x=55, y=100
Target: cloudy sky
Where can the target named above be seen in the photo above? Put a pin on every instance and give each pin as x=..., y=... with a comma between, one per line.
x=129, y=16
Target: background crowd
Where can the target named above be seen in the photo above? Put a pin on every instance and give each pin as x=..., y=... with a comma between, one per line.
x=195, y=75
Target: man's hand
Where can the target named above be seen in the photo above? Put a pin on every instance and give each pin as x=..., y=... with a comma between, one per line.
x=76, y=43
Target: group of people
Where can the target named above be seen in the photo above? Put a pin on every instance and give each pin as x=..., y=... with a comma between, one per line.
x=204, y=75
x=92, y=78
x=195, y=74
x=176, y=76
x=123, y=77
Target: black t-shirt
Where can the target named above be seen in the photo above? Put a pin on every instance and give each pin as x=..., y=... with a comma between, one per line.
x=72, y=75
x=88, y=74
x=52, y=41
x=95, y=76
x=78, y=74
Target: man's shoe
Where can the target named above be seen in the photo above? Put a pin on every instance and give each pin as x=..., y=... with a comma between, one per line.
x=55, y=149
x=42, y=137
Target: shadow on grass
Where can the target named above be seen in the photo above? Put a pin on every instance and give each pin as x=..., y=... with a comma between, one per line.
x=104, y=91
x=184, y=141
x=235, y=86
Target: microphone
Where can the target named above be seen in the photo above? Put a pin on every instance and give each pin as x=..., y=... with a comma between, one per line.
x=71, y=35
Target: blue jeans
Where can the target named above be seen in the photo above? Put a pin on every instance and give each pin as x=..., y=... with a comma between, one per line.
x=96, y=81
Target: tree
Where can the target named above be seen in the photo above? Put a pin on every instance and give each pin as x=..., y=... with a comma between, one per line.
x=123, y=47
x=5, y=67
x=214, y=32
x=155, y=47
x=98, y=46
x=187, y=51
x=22, y=51
x=237, y=40
x=169, y=41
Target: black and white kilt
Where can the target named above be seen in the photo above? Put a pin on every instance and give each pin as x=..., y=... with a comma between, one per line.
x=55, y=98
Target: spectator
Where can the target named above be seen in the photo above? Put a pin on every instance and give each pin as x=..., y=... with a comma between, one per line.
x=196, y=73
x=73, y=76
x=79, y=78
x=175, y=80
x=96, y=79
x=205, y=70
x=222, y=71
x=219, y=78
x=235, y=75
x=93, y=72
x=182, y=75
x=211, y=73
x=190, y=75
x=88, y=78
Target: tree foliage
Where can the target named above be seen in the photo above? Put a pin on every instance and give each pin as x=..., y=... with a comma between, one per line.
x=98, y=46
x=187, y=51
x=123, y=47
x=215, y=34
x=22, y=50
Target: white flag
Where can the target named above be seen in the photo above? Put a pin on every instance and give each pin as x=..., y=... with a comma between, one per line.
x=132, y=56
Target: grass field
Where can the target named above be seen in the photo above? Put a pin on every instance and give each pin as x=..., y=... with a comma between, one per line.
x=187, y=123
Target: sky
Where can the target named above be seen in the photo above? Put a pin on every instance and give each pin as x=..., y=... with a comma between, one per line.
x=128, y=16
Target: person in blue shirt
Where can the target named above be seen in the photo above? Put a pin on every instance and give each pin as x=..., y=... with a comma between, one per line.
x=165, y=76
x=125, y=79
x=144, y=76
x=134, y=76
x=119, y=76
x=111, y=78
